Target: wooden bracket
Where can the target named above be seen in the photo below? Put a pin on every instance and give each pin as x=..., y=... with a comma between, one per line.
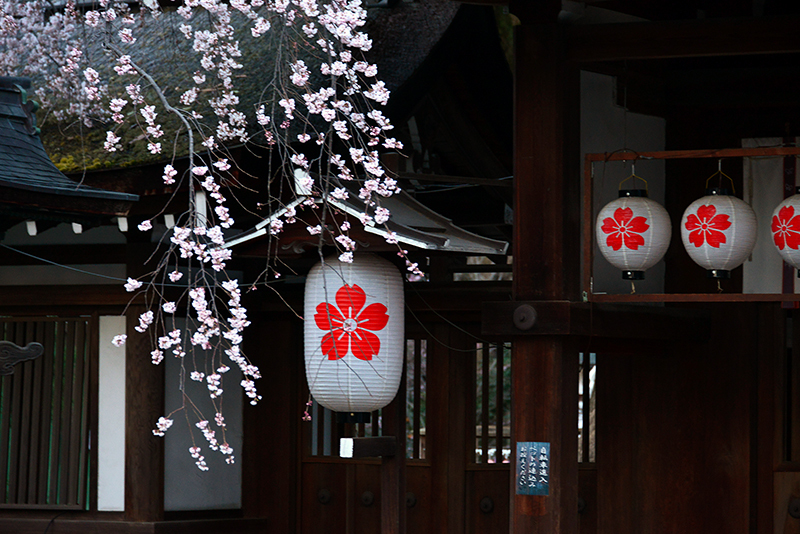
x=367, y=447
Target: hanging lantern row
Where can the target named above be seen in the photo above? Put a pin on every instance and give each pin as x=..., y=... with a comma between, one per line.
x=718, y=231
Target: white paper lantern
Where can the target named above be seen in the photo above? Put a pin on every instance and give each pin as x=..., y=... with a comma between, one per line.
x=354, y=333
x=719, y=232
x=633, y=233
x=786, y=229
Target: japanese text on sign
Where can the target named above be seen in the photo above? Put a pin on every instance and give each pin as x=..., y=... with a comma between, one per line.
x=533, y=468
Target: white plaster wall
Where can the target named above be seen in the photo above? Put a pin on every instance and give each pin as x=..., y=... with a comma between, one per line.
x=185, y=486
x=603, y=127
x=763, y=190
x=111, y=418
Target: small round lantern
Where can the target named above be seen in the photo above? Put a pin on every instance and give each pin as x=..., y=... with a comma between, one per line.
x=633, y=233
x=719, y=232
x=786, y=229
x=354, y=333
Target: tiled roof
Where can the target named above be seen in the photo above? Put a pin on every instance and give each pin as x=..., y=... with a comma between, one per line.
x=24, y=164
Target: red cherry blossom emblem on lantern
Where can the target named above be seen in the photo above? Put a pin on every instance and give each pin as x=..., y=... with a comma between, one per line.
x=706, y=226
x=625, y=229
x=786, y=228
x=349, y=326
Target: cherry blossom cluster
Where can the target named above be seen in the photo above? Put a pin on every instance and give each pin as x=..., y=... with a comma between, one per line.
x=201, y=460
x=162, y=426
x=38, y=42
x=319, y=115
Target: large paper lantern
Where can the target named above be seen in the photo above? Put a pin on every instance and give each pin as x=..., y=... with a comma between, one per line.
x=786, y=229
x=633, y=233
x=354, y=333
x=719, y=232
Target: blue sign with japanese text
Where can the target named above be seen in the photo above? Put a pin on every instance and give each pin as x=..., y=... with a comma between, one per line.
x=533, y=468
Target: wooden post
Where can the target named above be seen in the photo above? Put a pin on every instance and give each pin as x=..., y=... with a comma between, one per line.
x=546, y=258
x=393, y=468
x=144, y=404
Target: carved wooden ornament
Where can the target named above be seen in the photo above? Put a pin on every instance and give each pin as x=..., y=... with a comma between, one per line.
x=11, y=354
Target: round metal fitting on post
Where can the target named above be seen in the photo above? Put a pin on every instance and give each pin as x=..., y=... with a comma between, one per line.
x=367, y=498
x=794, y=508
x=487, y=505
x=411, y=500
x=324, y=496
x=524, y=317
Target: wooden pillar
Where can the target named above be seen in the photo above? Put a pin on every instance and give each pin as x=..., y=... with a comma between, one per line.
x=144, y=404
x=446, y=438
x=393, y=468
x=546, y=260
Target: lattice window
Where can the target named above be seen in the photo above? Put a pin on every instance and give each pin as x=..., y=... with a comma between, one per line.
x=492, y=403
x=326, y=430
x=46, y=416
x=416, y=379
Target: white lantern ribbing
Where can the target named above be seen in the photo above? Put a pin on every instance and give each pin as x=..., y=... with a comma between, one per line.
x=633, y=233
x=354, y=333
x=786, y=229
x=719, y=232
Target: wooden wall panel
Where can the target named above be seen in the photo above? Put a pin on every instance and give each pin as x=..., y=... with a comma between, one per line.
x=366, y=517
x=330, y=517
x=488, y=484
x=418, y=482
x=674, y=432
x=587, y=491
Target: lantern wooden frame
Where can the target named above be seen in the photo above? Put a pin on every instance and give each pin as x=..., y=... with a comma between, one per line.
x=588, y=238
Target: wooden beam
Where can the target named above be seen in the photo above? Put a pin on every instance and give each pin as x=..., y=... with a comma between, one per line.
x=443, y=178
x=683, y=39
x=107, y=296
x=718, y=153
x=563, y=318
x=61, y=254
x=68, y=524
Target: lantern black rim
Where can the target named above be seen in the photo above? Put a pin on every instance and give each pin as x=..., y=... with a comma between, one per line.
x=353, y=417
x=633, y=193
x=633, y=275
x=719, y=191
x=719, y=274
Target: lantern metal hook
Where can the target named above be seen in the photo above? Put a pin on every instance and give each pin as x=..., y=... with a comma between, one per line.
x=635, y=177
x=721, y=175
